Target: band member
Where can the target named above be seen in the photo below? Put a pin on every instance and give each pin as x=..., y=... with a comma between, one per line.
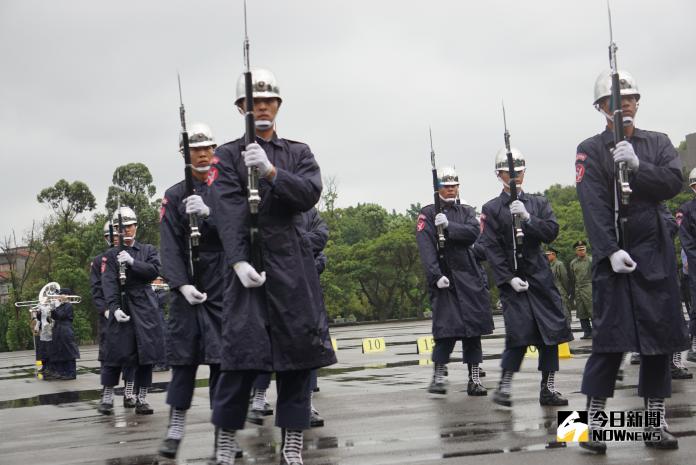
x=687, y=235
x=272, y=319
x=63, y=349
x=133, y=335
x=458, y=296
x=195, y=315
x=560, y=279
x=315, y=230
x=95, y=276
x=581, y=279
x=532, y=306
x=634, y=283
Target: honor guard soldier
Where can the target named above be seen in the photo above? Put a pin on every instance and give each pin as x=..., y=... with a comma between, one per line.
x=95, y=276
x=634, y=283
x=316, y=232
x=687, y=235
x=195, y=314
x=532, y=307
x=272, y=319
x=133, y=335
x=581, y=278
x=458, y=297
x=63, y=350
x=560, y=279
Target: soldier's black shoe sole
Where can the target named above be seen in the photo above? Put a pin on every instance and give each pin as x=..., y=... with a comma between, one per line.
x=316, y=421
x=667, y=441
x=552, y=399
x=129, y=402
x=598, y=447
x=143, y=409
x=437, y=388
x=106, y=409
x=681, y=373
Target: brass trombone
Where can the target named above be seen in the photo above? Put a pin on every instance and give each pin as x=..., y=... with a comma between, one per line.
x=50, y=294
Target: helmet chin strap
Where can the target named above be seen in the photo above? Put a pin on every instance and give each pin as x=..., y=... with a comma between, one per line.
x=627, y=120
x=452, y=200
x=201, y=169
x=506, y=184
x=263, y=125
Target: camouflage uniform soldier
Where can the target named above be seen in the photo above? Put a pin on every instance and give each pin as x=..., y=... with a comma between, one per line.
x=560, y=279
x=581, y=274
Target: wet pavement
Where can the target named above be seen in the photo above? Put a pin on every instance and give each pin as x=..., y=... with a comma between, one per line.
x=376, y=407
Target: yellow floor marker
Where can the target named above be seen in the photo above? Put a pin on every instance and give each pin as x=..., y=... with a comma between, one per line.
x=425, y=344
x=532, y=352
x=334, y=344
x=373, y=344
x=564, y=351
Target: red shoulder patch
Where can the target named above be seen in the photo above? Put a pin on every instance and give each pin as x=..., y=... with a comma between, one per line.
x=679, y=217
x=579, y=173
x=103, y=264
x=163, y=208
x=581, y=157
x=215, y=160
x=212, y=175
x=482, y=221
x=421, y=223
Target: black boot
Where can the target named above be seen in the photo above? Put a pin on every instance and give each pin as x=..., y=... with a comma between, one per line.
x=548, y=395
x=169, y=448
x=680, y=373
x=586, y=328
x=129, y=402
x=315, y=420
x=501, y=395
x=666, y=441
x=437, y=385
x=598, y=447
x=143, y=408
x=474, y=387
x=105, y=408
x=635, y=358
x=255, y=417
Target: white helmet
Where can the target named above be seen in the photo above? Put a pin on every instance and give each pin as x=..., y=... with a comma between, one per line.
x=447, y=176
x=692, y=177
x=602, y=87
x=127, y=216
x=200, y=135
x=501, y=162
x=264, y=85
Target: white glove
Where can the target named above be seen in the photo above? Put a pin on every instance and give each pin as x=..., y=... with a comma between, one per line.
x=106, y=314
x=248, y=275
x=621, y=262
x=125, y=257
x=518, y=208
x=195, y=204
x=518, y=284
x=255, y=155
x=443, y=283
x=624, y=152
x=441, y=219
x=192, y=295
x=120, y=316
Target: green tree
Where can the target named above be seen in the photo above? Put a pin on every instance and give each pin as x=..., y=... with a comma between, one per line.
x=67, y=200
x=132, y=185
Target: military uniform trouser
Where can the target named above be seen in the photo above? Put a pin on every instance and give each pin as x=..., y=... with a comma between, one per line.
x=263, y=380
x=183, y=383
x=654, y=380
x=63, y=368
x=142, y=375
x=548, y=358
x=583, y=304
x=231, y=400
x=471, y=349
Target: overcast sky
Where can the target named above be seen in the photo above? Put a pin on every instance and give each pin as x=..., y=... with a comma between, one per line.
x=88, y=85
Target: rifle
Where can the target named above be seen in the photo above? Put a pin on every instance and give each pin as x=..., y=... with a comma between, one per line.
x=121, y=248
x=111, y=234
x=194, y=233
x=517, y=233
x=254, y=198
x=438, y=208
x=622, y=191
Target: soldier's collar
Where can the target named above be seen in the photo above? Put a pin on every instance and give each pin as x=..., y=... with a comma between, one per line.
x=275, y=140
x=506, y=195
x=608, y=136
